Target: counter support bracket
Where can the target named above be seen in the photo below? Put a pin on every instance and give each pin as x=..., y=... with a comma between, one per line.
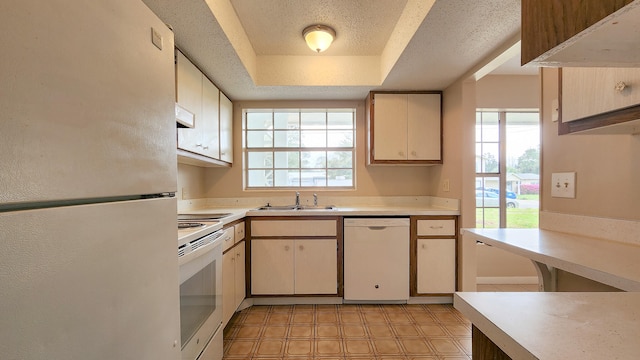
x=548, y=276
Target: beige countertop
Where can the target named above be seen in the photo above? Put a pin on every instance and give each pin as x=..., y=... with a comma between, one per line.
x=238, y=213
x=557, y=325
x=613, y=263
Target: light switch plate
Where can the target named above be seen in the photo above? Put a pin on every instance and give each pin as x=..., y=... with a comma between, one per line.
x=156, y=38
x=563, y=185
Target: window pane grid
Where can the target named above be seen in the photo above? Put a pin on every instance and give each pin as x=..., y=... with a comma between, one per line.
x=288, y=148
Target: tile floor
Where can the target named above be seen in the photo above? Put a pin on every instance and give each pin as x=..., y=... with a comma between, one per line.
x=348, y=332
x=353, y=332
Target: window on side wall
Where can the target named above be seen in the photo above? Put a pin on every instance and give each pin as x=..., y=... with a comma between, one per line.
x=298, y=148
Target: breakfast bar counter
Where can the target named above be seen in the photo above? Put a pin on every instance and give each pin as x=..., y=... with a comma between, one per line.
x=615, y=264
x=542, y=325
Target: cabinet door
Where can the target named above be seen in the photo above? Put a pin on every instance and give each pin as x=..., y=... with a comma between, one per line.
x=316, y=266
x=208, y=125
x=240, y=289
x=436, y=266
x=592, y=91
x=272, y=267
x=423, y=127
x=189, y=96
x=228, y=284
x=226, y=129
x=390, y=127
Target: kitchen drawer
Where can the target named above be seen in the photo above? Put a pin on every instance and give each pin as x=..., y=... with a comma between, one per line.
x=436, y=227
x=293, y=228
x=239, y=232
x=228, y=238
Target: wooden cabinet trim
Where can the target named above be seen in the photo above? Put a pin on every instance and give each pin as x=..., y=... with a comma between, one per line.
x=547, y=24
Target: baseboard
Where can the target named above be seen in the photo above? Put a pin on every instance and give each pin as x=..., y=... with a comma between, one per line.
x=486, y=280
x=296, y=300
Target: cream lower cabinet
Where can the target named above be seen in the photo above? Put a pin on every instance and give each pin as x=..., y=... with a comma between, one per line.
x=283, y=263
x=233, y=270
x=434, y=245
x=294, y=266
x=233, y=280
x=436, y=266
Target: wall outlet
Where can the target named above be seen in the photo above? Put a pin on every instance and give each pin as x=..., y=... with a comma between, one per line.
x=563, y=185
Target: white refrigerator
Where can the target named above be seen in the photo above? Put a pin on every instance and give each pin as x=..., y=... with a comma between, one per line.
x=88, y=247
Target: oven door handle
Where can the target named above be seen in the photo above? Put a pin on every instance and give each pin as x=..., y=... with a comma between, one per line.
x=211, y=241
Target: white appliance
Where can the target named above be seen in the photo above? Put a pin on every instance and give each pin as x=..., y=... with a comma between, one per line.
x=200, y=263
x=376, y=259
x=88, y=265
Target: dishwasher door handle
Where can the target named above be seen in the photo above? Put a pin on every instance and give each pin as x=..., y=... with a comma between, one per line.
x=377, y=227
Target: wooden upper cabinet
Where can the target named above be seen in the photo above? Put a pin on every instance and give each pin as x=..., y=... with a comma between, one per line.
x=581, y=33
x=405, y=128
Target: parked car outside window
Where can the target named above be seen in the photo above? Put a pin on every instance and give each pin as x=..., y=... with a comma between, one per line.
x=491, y=199
x=510, y=194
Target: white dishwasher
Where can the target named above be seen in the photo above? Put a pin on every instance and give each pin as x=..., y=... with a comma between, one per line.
x=376, y=259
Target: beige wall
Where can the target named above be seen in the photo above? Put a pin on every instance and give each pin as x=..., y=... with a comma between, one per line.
x=190, y=182
x=370, y=180
x=508, y=92
x=607, y=166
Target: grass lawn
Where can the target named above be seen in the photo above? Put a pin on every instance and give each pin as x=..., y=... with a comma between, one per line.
x=516, y=218
x=529, y=197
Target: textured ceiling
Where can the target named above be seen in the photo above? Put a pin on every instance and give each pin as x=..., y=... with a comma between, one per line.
x=253, y=49
x=274, y=27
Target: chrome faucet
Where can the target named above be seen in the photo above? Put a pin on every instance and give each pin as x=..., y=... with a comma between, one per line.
x=297, y=199
x=315, y=200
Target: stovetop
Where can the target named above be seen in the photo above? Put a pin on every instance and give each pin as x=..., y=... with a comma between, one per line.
x=195, y=230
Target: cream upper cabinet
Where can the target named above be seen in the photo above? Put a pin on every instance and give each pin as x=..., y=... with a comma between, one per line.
x=405, y=128
x=209, y=141
x=599, y=100
x=423, y=127
x=189, y=96
x=226, y=129
x=390, y=125
x=209, y=126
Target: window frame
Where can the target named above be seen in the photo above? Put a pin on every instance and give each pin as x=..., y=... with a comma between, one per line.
x=300, y=149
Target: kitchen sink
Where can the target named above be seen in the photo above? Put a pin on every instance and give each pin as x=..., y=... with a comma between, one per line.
x=294, y=208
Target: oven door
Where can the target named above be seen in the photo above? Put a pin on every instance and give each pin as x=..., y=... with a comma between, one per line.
x=200, y=294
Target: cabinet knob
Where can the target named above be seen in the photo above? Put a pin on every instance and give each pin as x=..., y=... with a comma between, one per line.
x=377, y=286
x=205, y=147
x=620, y=86
x=238, y=255
x=301, y=248
x=198, y=145
x=424, y=246
x=286, y=248
x=401, y=153
x=414, y=153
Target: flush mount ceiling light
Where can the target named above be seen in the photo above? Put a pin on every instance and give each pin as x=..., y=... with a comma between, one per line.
x=318, y=37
